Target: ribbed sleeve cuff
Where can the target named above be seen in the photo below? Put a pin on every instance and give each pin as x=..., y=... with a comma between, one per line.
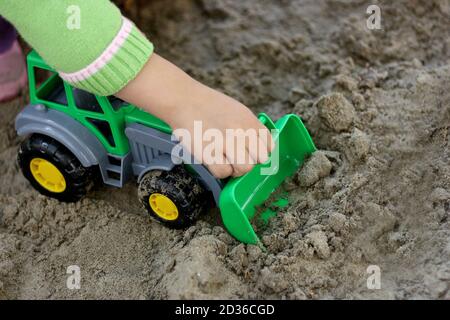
x=120, y=63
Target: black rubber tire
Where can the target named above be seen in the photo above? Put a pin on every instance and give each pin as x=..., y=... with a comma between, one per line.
x=182, y=188
x=78, y=178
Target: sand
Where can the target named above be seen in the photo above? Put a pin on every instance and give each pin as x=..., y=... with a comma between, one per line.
x=377, y=104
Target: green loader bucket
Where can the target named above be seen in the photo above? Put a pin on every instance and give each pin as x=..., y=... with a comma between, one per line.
x=241, y=196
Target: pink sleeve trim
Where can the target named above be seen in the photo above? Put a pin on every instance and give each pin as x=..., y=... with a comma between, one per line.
x=104, y=58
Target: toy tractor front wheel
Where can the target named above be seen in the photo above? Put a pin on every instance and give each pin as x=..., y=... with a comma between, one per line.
x=174, y=198
x=53, y=170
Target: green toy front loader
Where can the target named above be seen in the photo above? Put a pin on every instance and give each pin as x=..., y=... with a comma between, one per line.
x=73, y=137
x=241, y=197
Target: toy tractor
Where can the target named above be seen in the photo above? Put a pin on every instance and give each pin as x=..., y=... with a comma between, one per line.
x=74, y=138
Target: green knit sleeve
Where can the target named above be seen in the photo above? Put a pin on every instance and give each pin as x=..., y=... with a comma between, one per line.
x=89, y=43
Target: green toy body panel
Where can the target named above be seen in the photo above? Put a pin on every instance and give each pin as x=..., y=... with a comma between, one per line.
x=241, y=196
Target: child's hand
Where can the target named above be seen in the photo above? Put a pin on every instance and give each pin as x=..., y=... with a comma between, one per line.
x=167, y=92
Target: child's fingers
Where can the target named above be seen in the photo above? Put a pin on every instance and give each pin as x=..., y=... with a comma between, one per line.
x=239, y=169
x=263, y=152
x=221, y=171
x=219, y=167
x=254, y=151
x=266, y=136
x=238, y=157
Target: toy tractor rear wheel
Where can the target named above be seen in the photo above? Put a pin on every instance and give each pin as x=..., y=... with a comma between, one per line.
x=175, y=198
x=53, y=170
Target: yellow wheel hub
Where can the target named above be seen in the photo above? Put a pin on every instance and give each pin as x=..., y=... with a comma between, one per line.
x=47, y=175
x=163, y=206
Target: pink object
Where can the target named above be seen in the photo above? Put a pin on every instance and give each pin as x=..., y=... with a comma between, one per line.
x=13, y=73
x=104, y=58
